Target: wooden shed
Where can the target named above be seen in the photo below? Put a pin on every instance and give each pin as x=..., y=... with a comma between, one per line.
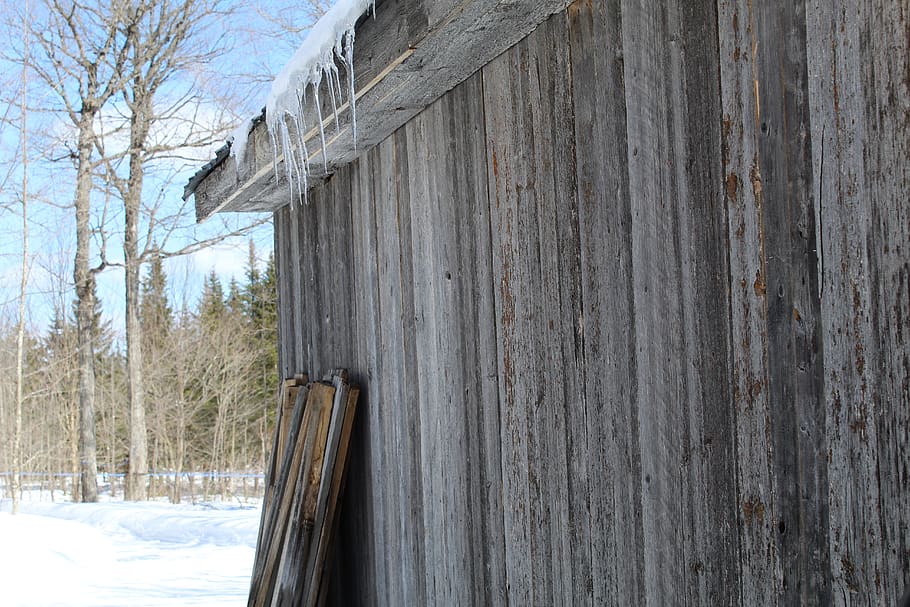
x=626, y=287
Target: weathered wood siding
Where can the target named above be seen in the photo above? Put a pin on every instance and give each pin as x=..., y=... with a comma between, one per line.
x=630, y=311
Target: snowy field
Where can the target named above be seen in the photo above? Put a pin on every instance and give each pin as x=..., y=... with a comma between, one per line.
x=126, y=554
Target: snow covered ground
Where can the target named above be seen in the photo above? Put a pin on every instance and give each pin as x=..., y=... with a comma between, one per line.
x=126, y=554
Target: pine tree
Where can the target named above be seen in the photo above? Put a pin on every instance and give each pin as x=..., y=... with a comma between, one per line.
x=155, y=313
x=211, y=305
x=251, y=293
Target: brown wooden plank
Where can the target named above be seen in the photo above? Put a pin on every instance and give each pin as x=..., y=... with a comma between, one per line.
x=321, y=494
x=276, y=525
x=290, y=578
x=287, y=392
x=328, y=528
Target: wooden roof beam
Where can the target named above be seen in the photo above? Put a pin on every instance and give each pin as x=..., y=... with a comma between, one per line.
x=405, y=58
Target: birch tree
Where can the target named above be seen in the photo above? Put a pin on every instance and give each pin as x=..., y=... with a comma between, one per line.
x=171, y=39
x=84, y=59
x=23, y=280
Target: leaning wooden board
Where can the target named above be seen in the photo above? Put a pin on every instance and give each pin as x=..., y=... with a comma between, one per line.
x=304, y=485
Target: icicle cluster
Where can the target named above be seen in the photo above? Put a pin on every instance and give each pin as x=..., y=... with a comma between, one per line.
x=331, y=38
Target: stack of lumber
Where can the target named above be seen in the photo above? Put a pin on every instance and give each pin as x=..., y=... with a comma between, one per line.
x=303, y=485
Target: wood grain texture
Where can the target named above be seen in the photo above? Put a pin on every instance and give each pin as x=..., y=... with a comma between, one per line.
x=605, y=458
x=630, y=311
x=748, y=308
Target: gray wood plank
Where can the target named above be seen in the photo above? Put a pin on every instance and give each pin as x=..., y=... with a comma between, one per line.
x=847, y=330
x=474, y=310
x=423, y=186
x=402, y=415
x=508, y=181
x=712, y=569
x=286, y=298
x=795, y=364
x=392, y=373
x=411, y=490
x=603, y=448
x=654, y=68
x=550, y=103
x=886, y=61
x=536, y=267
x=364, y=575
x=748, y=308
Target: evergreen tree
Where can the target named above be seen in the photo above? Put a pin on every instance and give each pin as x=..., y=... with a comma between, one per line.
x=155, y=313
x=252, y=292
x=235, y=300
x=211, y=305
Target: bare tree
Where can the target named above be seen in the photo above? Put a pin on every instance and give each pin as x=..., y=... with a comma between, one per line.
x=84, y=60
x=23, y=282
x=171, y=39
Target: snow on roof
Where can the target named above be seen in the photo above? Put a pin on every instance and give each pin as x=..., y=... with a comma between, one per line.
x=330, y=38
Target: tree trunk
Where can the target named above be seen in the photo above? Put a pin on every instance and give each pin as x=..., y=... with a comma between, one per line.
x=85, y=309
x=23, y=283
x=138, y=467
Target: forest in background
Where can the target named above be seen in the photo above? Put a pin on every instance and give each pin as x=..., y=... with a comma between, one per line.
x=211, y=373
x=107, y=107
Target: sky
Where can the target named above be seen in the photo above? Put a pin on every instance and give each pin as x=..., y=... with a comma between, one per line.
x=257, y=39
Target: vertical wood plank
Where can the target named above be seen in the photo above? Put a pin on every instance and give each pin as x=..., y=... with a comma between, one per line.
x=652, y=75
x=361, y=527
x=510, y=195
x=748, y=307
x=712, y=569
x=604, y=450
x=536, y=269
x=286, y=296
x=476, y=330
x=392, y=373
x=560, y=359
x=679, y=286
x=397, y=385
x=298, y=324
x=783, y=174
x=885, y=82
x=840, y=140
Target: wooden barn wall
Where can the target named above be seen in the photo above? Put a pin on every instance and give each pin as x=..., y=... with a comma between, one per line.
x=630, y=312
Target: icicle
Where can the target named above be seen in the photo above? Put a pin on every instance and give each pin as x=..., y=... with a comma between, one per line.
x=330, y=39
x=301, y=132
x=325, y=158
x=299, y=164
x=282, y=132
x=330, y=78
x=273, y=138
x=349, y=61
